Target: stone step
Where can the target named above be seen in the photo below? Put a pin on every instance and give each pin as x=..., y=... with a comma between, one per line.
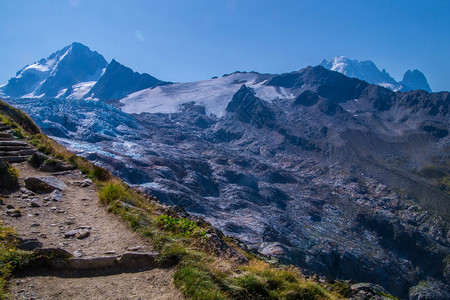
x=14, y=148
x=13, y=159
x=9, y=153
x=126, y=260
x=27, y=152
x=6, y=135
x=13, y=143
x=3, y=128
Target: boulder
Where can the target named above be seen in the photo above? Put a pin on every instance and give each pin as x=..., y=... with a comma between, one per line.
x=29, y=244
x=34, y=203
x=15, y=213
x=56, y=195
x=44, y=184
x=37, y=159
x=86, y=182
x=52, y=165
x=78, y=233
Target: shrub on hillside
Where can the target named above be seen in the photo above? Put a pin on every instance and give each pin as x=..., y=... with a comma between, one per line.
x=100, y=173
x=18, y=116
x=8, y=175
x=10, y=257
x=180, y=226
x=432, y=172
x=37, y=159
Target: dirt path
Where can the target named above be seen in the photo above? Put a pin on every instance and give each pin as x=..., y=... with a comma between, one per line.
x=50, y=222
x=152, y=284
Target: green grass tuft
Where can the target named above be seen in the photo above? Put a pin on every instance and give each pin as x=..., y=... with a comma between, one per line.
x=180, y=226
x=111, y=192
x=12, y=116
x=196, y=282
x=10, y=257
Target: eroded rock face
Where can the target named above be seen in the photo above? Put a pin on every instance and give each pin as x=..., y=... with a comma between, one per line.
x=428, y=290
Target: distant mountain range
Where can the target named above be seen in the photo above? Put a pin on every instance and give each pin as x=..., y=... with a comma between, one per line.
x=368, y=71
x=76, y=72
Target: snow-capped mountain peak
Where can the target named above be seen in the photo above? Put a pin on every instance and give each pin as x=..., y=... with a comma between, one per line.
x=76, y=72
x=58, y=75
x=367, y=70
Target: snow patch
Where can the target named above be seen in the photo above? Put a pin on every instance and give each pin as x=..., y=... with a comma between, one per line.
x=61, y=93
x=81, y=89
x=151, y=185
x=391, y=86
x=82, y=148
x=60, y=58
x=213, y=94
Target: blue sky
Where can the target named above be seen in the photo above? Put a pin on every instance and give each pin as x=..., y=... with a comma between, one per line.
x=179, y=40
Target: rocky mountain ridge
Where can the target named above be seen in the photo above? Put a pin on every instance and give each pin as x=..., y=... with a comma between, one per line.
x=118, y=81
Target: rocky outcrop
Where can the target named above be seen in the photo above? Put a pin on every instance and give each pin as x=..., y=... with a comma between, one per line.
x=429, y=290
x=250, y=109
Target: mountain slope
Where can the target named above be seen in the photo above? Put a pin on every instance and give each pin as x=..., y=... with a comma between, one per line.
x=64, y=73
x=118, y=81
x=368, y=71
x=213, y=94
